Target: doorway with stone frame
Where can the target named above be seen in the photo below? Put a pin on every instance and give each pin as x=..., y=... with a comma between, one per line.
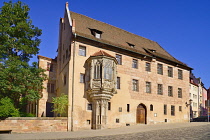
x=141, y=114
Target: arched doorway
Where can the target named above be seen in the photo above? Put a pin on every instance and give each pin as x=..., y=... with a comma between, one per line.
x=141, y=114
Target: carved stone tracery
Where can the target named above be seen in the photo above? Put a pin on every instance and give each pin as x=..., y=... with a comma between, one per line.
x=100, y=89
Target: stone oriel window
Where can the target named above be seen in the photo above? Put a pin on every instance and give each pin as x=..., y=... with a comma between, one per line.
x=119, y=59
x=118, y=82
x=135, y=64
x=170, y=91
x=108, y=71
x=147, y=66
x=148, y=87
x=170, y=72
x=165, y=109
x=179, y=92
x=97, y=70
x=82, y=50
x=160, y=69
x=160, y=89
x=135, y=84
x=172, y=110
x=180, y=75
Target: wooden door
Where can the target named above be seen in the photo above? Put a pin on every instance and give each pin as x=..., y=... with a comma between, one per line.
x=141, y=114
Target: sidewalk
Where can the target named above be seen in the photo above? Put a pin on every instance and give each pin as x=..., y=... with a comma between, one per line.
x=103, y=132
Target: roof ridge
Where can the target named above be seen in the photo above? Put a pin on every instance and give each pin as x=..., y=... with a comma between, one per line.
x=114, y=26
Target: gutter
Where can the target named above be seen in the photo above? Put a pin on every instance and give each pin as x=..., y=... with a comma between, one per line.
x=72, y=103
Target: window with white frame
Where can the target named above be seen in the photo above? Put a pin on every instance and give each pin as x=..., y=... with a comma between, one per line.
x=97, y=70
x=160, y=69
x=82, y=50
x=180, y=75
x=118, y=82
x=148, y=87
x=50, y=88
x=135, y=63
x=172, y=110
x=89, y=106
x=49, y=67
x=179, y=92
x=82, y=78
x=160, y=89
x=147, y=66
x=170, y=72
x=180, y=108
x=135, y=85
x=119, y=59
x=170, y=91
x=165, y=109
x=108, y=71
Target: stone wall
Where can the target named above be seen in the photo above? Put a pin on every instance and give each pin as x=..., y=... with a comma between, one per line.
x=34, y=125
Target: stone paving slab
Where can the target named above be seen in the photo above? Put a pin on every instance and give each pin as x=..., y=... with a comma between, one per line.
x=103, y=132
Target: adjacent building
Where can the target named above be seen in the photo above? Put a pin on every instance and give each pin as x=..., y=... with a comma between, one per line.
x=113, y=78
x=194, y=96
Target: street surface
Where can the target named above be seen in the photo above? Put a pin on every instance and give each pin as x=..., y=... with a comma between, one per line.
x=189, y=133
x=165, y=131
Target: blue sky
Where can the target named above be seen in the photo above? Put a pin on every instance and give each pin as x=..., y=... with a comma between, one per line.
x=181, y=27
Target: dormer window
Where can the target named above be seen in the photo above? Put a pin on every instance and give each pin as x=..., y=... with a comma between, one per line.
x=152, y=50
x=96, y=33
x=131, y=45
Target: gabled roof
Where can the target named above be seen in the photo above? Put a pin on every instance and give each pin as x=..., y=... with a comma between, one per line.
x=102, y=53
x=118, y=37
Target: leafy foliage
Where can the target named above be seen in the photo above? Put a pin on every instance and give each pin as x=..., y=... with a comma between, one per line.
x=60, y=104
x=7, y=108
x=19, y=38
x=18, y=44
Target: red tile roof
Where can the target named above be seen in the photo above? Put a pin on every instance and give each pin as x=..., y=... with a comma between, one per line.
x=102, y=53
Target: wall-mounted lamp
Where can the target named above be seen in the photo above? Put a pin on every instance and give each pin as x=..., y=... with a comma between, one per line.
x=190, y=101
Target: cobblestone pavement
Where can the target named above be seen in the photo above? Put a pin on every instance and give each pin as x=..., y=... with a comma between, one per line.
x=189, y=133
x=173, y=131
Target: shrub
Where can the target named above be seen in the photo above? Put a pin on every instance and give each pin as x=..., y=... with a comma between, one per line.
x=7, y=108
x=60, y=104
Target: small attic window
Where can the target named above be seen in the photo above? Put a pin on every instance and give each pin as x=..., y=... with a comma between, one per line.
x=96, y=33
x=152, y=50
x=131, y=45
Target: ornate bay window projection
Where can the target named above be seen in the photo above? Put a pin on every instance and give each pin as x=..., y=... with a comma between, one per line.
x=100, y=85
x=97, y=70
x=108, y=71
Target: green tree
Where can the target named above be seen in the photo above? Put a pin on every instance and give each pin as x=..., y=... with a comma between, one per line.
x=7, y=108
x=60, y=104
x=18, y=44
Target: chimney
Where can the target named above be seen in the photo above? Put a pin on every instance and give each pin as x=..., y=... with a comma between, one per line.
x=67, y=4
x=73, y=26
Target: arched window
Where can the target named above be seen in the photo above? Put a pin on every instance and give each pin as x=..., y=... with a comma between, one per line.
x=97, y=70
x=108, y=71
x=151, y=107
